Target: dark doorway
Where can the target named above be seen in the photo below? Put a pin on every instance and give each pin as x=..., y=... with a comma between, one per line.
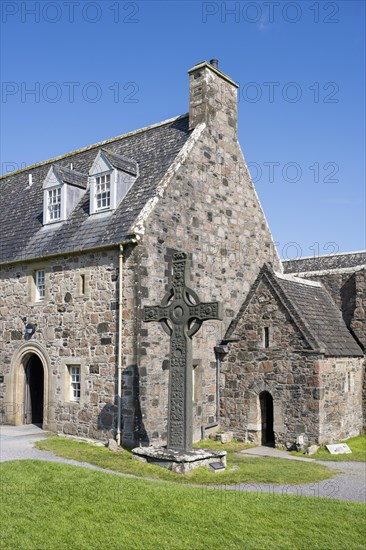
x=34, y=391
x=266, y=403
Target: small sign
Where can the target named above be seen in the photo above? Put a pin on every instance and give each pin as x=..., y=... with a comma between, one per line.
x=1, y=379
x=217, y=466
x=338, y=449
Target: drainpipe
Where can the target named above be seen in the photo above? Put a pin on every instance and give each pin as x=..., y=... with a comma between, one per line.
x=120, y=320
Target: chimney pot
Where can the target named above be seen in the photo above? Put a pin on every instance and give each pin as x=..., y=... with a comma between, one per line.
x=214, y=63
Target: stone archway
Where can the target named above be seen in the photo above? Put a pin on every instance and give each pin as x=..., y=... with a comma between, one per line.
x=30, y=386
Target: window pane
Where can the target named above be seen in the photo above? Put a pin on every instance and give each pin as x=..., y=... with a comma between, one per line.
x=103, y=191
x=54, y=204
x=75, y=383
x=40, y=285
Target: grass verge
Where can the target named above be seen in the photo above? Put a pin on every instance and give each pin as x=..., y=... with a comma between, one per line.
x=356, y=444
x=240, y=468
x=58, y=507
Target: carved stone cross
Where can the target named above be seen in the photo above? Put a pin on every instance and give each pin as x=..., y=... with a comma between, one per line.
x=181, y=314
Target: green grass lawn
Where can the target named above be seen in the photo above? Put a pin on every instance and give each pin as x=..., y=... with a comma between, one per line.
x=54, y=506
x=356, y=444
x=249, y=469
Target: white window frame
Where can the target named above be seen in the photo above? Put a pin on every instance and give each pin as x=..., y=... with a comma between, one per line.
x=119, y=184
x=54, y=204
x=40, y=284
x=93, y=182
x=105, y=182
x=75, y=382
x=60, y=191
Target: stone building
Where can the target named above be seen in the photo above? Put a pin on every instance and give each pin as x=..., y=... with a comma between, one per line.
x=87, y=241
x=344, y=276
x=292, y=367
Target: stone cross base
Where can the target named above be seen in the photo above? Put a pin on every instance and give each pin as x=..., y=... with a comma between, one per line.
x=180, y=462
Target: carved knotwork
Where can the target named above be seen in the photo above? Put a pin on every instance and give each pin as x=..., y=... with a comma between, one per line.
x=181, y=315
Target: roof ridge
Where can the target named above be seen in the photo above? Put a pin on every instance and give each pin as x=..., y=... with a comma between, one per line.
x=95, y=145
x=329, y=270
x=324, y=256
x=299, y=280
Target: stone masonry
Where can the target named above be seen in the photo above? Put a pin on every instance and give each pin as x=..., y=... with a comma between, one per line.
x=73, y=328
x=344, y=276
x=205, y=205
x=312, y=394
x=191, y=192
x=211, y=211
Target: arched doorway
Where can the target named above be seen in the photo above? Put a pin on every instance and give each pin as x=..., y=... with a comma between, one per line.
x=266, y=406
x=34, y=390
x=30, y=377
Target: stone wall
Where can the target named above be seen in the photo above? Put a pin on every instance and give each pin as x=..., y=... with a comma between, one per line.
x=207, y=206
x=311, y=395
x=341, y=406
x=285, y=369
x=211, y=211
x=348, y=290
x=73, y=328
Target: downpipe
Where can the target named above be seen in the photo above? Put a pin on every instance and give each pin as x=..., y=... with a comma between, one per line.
x=120, y=335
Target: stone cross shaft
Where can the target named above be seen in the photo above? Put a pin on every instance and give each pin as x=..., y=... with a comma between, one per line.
x=181, y=314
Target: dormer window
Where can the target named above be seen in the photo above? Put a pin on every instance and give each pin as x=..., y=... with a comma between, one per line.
x=103, y=192
x=110, y=178
x=54, y=204
x=62, y=190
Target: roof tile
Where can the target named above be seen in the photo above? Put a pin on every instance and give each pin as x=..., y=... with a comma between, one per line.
x=21, y=214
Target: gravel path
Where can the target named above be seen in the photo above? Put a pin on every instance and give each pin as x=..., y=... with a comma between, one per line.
x=17, y=443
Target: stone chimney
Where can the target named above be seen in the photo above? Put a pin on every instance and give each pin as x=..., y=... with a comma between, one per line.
x=212, y=98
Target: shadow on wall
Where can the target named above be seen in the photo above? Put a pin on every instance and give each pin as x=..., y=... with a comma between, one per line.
x=348, y=297
x=140, y=433
x=133, y=429
x=107, y=419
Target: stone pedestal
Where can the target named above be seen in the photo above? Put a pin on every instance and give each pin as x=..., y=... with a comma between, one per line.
x=180, y=462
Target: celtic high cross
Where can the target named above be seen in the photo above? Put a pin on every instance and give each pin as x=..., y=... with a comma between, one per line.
x=181, y=314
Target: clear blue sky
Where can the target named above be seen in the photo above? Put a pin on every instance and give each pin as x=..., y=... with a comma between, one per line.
x=100, y=69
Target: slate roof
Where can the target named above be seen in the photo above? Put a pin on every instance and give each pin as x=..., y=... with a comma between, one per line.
x=325, y=263
x=21, y=207
x=73, y=177
x=123, y=163
x=311, y=308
